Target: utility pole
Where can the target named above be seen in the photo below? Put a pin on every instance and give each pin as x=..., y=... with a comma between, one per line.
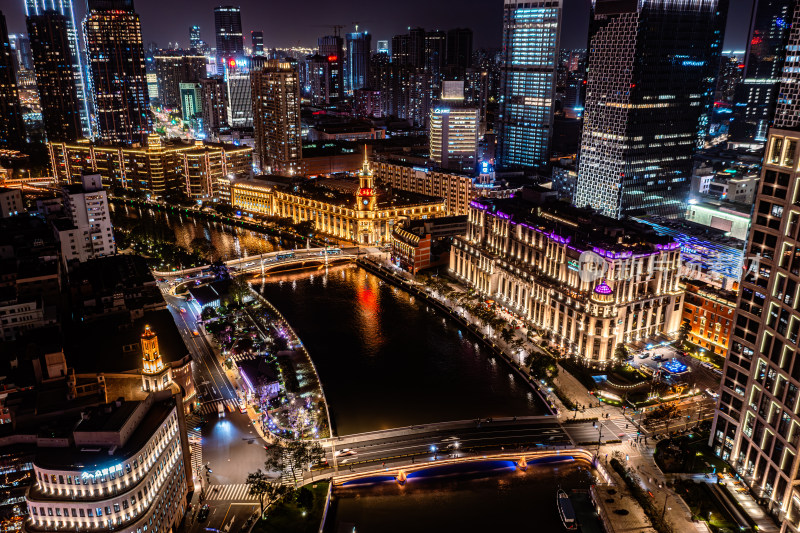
x=664, y=510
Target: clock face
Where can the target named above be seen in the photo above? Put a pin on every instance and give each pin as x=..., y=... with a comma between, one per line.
x=365, y=201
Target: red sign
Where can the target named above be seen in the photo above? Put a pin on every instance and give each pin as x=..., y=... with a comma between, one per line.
x=365, y=192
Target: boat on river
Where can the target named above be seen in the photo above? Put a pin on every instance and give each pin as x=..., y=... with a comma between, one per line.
x=565, y=510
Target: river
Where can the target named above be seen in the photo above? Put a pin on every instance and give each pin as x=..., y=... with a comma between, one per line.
x=493, y=497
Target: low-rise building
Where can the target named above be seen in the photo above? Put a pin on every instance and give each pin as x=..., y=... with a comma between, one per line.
x=709, y=312
x=345, y=131
x=425, y=243
x=366, y=217
x=586, y=281
x=457, y=188
x=160, y=168
x=10, y=202
x=734, y=219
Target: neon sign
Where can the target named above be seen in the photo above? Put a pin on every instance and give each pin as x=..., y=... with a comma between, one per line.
x=365, y=192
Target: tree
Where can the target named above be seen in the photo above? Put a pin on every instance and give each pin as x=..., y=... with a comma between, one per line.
x=620, y=352
x=294, y=457
x=278, y=460
x=239, y=289
x=202, y=247
x=305, y=228
x=208, y=312
x=305, y=498
x=542, y=365
x=683, y=332
x=507, y=335
x=263, y=487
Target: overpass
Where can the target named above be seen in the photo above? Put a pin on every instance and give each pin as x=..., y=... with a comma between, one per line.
x=264, y=263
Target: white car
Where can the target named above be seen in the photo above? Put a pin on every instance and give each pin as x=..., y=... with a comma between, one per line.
x=347, y=452
x=712, y=393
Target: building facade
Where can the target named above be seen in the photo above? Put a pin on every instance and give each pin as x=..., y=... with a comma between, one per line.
x=228, y=31
x=86, y=232
x=12, y=127
x=65, y=8
x=214, y=103
x=62, y=110
x=709, y=313
x=276, y=113
x=587, y=281
x=644, y=111
x=359, y=46
x=755, y=94
x=757, y=424
x=365, y=216
x=139, y=476
x=531, y=34
x=160, y=169
x=454, y=129
x=113, y=35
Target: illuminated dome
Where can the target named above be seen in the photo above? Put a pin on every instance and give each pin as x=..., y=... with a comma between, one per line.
x=603, y=293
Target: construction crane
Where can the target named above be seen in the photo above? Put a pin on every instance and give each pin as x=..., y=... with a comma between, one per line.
x=336, y=28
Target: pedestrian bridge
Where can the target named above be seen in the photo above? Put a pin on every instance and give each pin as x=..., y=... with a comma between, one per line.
x=264, y=263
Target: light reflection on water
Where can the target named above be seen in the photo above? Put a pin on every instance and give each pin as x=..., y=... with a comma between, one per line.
x=385, y=361
x=502, y=499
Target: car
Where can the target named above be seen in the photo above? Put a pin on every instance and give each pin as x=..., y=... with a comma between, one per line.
x=195, y=333
x=712, y=393
x=242, y=406
x=658, y=357
x=644, y=355
x=183, y=310
x=203, y=514
x=347, y=452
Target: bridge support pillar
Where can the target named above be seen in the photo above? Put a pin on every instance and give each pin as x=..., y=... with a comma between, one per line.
x=401, y=477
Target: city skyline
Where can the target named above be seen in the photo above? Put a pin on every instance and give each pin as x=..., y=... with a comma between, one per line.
x=485, y=18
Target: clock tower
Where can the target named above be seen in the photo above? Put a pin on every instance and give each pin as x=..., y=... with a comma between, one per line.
x=365, y=197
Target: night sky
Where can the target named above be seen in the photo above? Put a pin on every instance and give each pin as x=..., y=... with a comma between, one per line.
x=289, y=23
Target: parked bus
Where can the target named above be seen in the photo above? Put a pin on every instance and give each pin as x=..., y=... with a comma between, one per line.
x=281, y=257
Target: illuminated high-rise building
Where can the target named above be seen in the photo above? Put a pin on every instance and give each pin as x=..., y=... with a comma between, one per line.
x=214, y=106
x=332, y=48
x=646, y=109
x=257, y=42
x=531, y=33
x=64, y=7
x=754, y=99
x=239, y=104
x=117, y=72
x=383, y=47
x=359, y=45
x=58, y=95
x=228, y=29
x=195, y=42
x=454, y=130
x=756, y=428
x=276, y=118
x=12, y=128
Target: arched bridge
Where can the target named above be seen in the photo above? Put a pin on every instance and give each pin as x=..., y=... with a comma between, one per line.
x=264, y=263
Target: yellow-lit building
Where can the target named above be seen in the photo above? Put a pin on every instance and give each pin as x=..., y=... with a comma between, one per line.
x=159, y=168
x=364, y=214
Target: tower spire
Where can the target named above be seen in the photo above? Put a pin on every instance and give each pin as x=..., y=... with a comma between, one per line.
x=365, y=169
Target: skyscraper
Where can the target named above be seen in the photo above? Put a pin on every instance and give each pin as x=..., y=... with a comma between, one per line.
x=648, y=93
x=58, y=95
x=276, y=118
x=383, y=47
x=531, y=32
x=215, y=112
x=64, y=7
x=755, y=93
x=22, y=49
x=359, y=45
x=435, y=54
x=174, y=69
x=454, y=130
x=195, y=42
x=756, y=426
x=12, y=128
x=117, y=69
x=228, y=29
x=257, y=42
x=239, y=103
x=459, y=47
x=332, y=48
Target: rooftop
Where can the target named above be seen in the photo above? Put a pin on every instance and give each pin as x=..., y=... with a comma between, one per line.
x=581, y=228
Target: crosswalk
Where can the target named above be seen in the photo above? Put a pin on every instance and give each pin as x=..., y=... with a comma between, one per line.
x=230, y=493
x=236, y=357
x=211, y=407
x=195, y=442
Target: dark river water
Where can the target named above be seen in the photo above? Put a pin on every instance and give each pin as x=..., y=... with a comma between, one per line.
x=387, y=360
x=504, y=499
